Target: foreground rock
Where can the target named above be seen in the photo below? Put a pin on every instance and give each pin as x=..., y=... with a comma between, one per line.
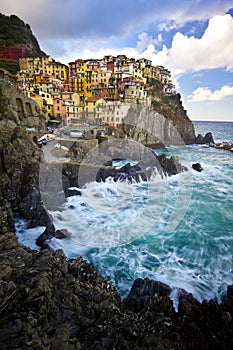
x=49, y=303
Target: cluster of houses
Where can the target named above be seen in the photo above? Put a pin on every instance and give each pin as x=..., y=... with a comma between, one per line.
x=98, y=91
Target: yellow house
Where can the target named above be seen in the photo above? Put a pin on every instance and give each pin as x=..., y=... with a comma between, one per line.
x=82, y=79
x=47, y=101
x=92, y=110
x=137, y=72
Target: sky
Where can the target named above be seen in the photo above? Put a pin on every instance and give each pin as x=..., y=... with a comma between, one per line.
x=192, y=38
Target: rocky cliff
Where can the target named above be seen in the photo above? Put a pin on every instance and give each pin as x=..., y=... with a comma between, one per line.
x=19, y=154
x=165, y=124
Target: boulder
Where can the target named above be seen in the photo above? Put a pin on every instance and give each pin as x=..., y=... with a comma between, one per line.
x=142, y=292
x=197, y=167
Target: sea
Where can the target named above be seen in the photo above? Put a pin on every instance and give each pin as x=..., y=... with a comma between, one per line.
x=177, y=230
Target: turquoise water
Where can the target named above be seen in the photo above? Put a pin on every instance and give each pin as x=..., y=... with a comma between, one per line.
x=177, y=230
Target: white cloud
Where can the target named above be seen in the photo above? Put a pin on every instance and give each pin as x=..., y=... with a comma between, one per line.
x=205, y=94
x=146, y=41
x=213, y=50
x=169, y=25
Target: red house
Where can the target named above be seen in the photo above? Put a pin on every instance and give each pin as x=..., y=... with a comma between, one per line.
x=13, y=52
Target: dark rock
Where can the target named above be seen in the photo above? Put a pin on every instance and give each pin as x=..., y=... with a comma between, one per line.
x=32, y=208
x=6, y=217
x=197, y=167
x=62, y=234
x=208, y=138
x=72, y=192
x=142, y=292
x=170, y=166
x=199, y=139
x=49, y=302
x=126, y=172
x=49, y=233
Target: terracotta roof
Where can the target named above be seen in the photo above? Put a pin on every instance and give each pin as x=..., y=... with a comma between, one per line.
x=92, y=99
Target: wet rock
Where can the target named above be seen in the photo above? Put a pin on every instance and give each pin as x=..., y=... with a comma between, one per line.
x=170, y=166
x=143, y=291
x=49, y=233
x=197, y=167
x=208, y=138
x=72, y=192
x=59, y=234
x=227, y=146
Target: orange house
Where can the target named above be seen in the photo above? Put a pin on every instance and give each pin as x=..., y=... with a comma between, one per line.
x=59, y=108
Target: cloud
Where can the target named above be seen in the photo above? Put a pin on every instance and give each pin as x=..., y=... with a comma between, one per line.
x=76, y=19
x=213, y=50
x=205, y=94
x=145, y=41
x=169, y=25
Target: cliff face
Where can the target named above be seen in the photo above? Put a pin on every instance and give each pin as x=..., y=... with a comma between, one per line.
x=19, y=155
x=164, y=124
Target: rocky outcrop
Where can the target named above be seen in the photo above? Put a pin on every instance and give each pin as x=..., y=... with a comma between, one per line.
x=153, y=128
x=227, y=146
x=201, y=140
x=51, y=303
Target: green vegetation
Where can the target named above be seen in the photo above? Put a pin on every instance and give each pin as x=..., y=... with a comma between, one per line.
x=9, y=65
x=156, y=84
x=13, y=31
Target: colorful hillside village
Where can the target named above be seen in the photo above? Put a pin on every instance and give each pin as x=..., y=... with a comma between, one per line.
x=97, y=91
